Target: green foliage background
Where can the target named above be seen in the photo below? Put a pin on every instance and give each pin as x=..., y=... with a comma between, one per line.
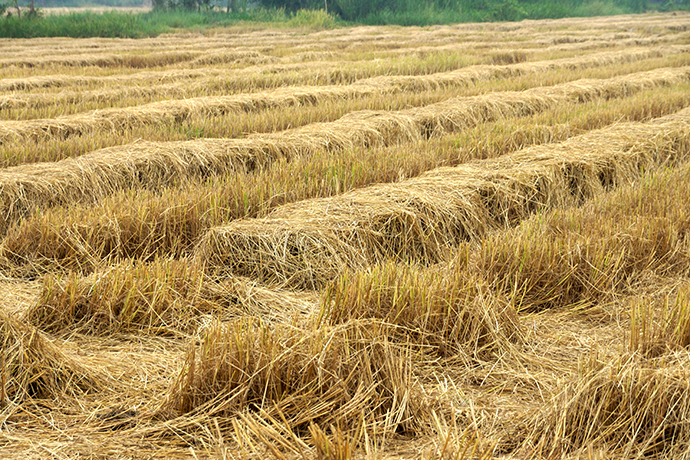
x=170, y=15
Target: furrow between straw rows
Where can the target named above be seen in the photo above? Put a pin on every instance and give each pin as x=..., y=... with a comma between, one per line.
x=306, y=244
x=176, y=111
x=146, y=165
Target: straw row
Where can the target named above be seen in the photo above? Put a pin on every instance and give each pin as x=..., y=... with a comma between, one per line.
x=308, y=243
x=60, y=81
x=135, y=61
x=472, y=74
x=145, y=225
x=174, y=112
x=93, y=176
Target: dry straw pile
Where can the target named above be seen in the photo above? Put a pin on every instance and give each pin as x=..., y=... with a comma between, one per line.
x=33, y=366
x=282, y=379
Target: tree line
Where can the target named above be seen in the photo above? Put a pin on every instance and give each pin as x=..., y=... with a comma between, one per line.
x=499, y=10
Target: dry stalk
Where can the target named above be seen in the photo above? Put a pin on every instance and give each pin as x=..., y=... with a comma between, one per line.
x=637, y=409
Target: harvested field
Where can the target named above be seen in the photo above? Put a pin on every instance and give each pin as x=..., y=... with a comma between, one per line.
x=464, y=242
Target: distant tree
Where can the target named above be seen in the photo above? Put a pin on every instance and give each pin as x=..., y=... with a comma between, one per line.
x=32, y=10
x=187, y=5
x=294, y=5
x=355, y=9
x=236, y=6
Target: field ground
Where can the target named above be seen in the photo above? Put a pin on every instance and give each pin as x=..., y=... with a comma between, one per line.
x=451, y=242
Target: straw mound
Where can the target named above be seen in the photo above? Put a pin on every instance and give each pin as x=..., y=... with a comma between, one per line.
x=135, y=61
x=232, y=56
x=453, y=311
x=165, y=296
x=59, y=81
x=79, y=240
x=345, y=376
x=641, y=408
x=461, y=113
x=306, y=244
x=141, y=165
x=157, y=297
x=102, y=96
x=156, y=164
x=32, y=366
